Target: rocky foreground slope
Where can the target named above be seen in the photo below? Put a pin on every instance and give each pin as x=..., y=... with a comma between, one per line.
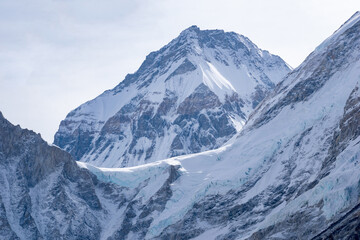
x=192, y=95
x=292, y=173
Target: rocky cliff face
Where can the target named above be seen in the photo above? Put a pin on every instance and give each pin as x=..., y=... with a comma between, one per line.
x=192, y=95
x=45, y=195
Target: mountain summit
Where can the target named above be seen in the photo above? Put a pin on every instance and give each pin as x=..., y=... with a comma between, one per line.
x=192, y=95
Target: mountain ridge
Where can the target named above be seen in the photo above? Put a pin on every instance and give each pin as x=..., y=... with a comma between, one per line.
x=292, y=172
x=143, y=115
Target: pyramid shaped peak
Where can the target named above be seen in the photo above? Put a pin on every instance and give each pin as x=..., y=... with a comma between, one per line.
x=192, y=28
x=196, y=30
x=192, y=31
x=214, y=36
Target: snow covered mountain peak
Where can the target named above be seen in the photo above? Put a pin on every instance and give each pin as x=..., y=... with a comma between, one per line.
x=155, y=113
x=192, y=30
x=219, y=39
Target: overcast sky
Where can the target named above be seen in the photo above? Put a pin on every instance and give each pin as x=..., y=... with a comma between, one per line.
x=55, y=55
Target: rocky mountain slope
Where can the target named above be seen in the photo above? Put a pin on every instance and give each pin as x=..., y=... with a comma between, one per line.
x=293, y=172
x=44, y=194
x=192, y=95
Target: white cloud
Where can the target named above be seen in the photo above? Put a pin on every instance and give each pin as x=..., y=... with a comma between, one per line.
x=55, y=55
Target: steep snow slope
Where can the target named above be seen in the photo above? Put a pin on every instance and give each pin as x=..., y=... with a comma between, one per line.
x=192, y=95
x=293, y=171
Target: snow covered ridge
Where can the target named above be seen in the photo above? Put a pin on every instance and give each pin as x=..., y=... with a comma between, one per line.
x=192, y=95
x=293, y=171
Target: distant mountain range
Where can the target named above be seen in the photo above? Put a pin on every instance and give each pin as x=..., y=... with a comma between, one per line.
x=291, y=172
